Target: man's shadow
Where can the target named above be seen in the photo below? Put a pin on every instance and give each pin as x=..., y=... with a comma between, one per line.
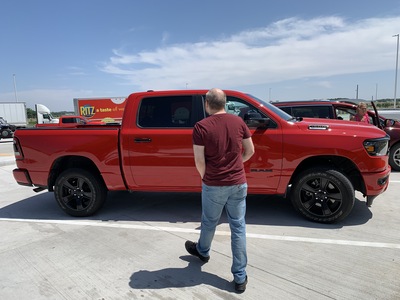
x=179, y=277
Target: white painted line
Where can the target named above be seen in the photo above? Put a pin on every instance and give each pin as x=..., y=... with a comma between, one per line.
x=327, y=241
x=222, y=233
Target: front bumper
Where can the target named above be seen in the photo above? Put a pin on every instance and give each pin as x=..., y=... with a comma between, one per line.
x=376, y=184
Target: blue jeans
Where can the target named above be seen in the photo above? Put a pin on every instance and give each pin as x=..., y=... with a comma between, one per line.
x=233, y=198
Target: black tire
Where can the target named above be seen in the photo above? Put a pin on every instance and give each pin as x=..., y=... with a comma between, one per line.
x=6, y=133
x=323, y=195
x=79, y=192
x=394, y=157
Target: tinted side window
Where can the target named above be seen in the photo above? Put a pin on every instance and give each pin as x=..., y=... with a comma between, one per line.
x=166, y=112
x=324, y=112
x=67, y=120
x=286, y=109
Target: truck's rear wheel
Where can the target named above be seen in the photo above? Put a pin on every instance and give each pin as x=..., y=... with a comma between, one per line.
x=323, y=195
x=79, y=192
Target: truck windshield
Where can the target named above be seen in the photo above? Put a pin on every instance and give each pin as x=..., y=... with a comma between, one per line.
x=275, y=109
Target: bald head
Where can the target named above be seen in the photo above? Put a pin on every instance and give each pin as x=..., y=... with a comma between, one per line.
x=216, y=99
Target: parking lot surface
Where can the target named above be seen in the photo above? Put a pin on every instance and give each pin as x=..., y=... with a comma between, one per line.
x=134, y=248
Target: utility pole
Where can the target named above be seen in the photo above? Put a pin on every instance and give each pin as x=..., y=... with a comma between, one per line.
x=15, y=89
x=397, y=66
x=357, y=92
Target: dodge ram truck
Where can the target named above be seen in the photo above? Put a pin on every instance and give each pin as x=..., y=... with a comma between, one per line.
x=317, y=163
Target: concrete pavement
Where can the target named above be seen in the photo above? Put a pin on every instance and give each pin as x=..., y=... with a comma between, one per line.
x=134, y=249
x=6, y=152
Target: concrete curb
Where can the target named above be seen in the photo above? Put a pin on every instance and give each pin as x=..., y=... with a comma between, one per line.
x=6, y=161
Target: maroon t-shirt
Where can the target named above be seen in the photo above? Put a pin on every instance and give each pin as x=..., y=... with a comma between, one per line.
x=222, y=136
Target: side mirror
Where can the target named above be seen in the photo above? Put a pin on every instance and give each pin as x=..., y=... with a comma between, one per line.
x=254, y=119
x=251, y=115
x=389, y=122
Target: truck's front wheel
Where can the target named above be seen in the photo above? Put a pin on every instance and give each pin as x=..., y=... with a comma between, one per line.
x=323, y=195
x=79, y=192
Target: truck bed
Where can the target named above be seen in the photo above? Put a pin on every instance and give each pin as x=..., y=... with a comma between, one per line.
x=67, y=143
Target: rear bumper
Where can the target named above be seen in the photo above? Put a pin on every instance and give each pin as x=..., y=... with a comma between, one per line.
x=22, y=177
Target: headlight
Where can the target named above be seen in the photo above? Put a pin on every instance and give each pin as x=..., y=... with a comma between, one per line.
x=377, y=147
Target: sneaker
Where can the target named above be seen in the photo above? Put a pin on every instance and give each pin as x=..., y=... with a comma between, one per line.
x=191, y=248
x=241, y=287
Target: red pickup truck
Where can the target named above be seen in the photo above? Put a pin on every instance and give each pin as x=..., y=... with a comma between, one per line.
x=317, y=163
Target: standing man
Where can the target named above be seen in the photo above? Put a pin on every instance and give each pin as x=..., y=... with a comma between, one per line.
x=221, y=144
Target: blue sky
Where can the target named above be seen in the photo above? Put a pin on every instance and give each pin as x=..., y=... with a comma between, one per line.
x=275, y=50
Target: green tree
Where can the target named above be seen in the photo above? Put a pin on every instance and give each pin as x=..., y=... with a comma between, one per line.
x=30, y=113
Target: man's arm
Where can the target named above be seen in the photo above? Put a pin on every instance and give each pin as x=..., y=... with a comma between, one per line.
x=248, y=148
x=199, y=159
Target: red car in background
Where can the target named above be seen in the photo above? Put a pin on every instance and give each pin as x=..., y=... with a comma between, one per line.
x=344, y=110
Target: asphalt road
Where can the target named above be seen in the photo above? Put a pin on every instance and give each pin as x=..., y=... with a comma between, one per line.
x=134, y=249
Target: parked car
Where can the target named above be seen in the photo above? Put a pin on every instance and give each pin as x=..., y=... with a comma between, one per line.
x=5, y=129
x=344, y=110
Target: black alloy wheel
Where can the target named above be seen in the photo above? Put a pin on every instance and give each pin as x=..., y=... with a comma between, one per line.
x=79, y=192
x=323, y=195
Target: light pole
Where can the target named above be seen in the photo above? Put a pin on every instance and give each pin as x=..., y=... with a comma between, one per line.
x=357, y=92
x=15, y=89
x=397, y=65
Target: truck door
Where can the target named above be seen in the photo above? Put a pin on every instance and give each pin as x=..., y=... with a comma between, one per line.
x=160, y=146
x=264, y=169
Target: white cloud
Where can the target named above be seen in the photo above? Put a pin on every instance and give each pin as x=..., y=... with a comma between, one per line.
x=76, y=71
x=286, y=50
x=165, y=37
x=291, y=28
